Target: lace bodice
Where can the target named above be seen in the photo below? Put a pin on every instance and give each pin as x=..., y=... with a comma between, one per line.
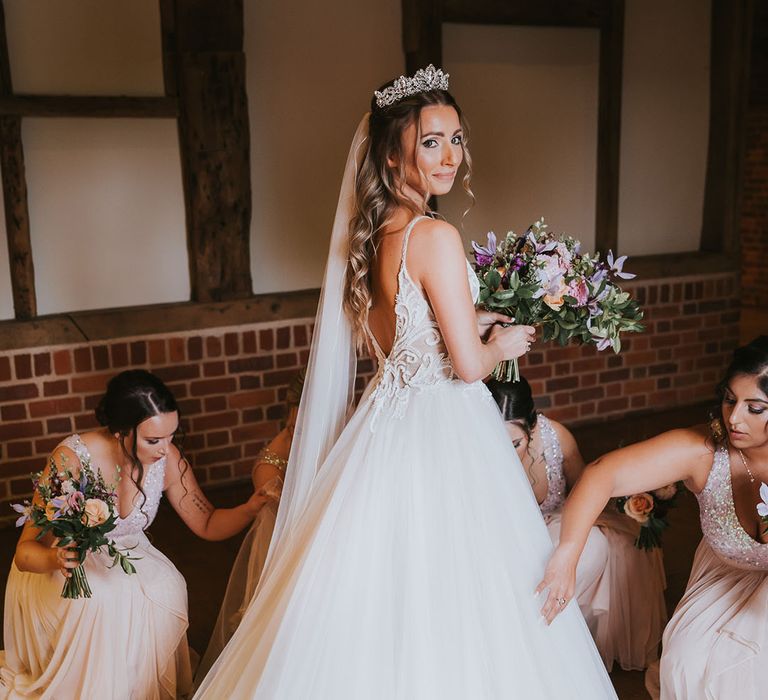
x=720, y=524
x=418, y=358
x=144, y=512
x=553, y=457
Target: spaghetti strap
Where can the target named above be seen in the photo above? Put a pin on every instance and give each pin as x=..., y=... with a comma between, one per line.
x=406, y=238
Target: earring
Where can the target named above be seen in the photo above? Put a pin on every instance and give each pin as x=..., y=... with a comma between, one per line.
x=716, y=427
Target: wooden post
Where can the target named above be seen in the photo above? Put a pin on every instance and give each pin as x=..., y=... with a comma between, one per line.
x=731, y=41
x=609, y=125
x=422, y=33
x=205, y=66
x=15, y=196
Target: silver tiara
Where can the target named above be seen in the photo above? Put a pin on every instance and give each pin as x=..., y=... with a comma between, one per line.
x=424, y=80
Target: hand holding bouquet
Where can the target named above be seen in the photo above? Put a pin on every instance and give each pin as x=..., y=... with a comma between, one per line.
x=650, y=510
x=78, y=510
x=543, y=280
x=762, y=507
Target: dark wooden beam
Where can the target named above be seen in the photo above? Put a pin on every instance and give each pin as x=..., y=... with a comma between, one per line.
x=422, y=33
x=88, y=106
x=206, y=67
x=731, y=39
x=15, y=196
x=542, y=13
x=609, y=124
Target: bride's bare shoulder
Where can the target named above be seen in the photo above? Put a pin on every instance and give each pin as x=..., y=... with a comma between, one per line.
x=435, y=240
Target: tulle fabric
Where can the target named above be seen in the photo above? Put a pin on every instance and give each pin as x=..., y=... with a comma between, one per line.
x=716, y=644
x=411, y=573
x=126, y=642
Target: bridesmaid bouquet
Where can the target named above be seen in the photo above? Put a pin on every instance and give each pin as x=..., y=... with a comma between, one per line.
x=650, y=510
x=762, y=507
x=543, y=280
x=78, y=510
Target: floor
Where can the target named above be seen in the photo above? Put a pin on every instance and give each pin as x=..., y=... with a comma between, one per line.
x=206, y=565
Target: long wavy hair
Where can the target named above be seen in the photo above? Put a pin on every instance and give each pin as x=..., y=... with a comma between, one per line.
x=378, y=190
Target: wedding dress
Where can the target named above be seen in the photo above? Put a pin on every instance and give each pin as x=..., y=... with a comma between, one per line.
x=126, y=642
x=410, y=572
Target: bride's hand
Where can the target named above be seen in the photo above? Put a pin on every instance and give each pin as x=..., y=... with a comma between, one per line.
x=487, y=319
x=560, y=579
x=513, y=341
x=272, y=490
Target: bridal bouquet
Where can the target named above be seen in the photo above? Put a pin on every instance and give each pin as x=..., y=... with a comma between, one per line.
x=650, y=510
x=545, y=280
x=79, y=510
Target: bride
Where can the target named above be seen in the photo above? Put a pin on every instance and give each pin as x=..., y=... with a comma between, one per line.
x=405, y=554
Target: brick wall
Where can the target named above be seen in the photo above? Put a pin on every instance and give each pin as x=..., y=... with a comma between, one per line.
x=754, y=209
x=231, y=382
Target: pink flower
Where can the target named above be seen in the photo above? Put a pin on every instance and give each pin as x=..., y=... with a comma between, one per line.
x=639, y=507
x=95, y=512
x=75, y=500
x=665, y=493
x=579, y=291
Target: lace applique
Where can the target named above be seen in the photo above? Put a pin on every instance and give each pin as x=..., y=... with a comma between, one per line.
x=144, y=512
x=418, y=358
x=553, y=458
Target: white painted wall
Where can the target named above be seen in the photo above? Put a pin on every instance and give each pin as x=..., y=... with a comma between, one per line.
x=664, y=126
x=530, y=95
x=312, y=68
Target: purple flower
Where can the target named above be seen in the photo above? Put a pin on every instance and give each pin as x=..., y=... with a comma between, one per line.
x=762, y=508
x=618, y=265
x=599, y=275
x=484, y=254
x=541, y=247
x=25, y=511
x=603, y=344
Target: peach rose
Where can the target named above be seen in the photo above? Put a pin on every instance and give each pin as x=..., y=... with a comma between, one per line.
x=555, y=301
x=665, y=492
x=50, y=510
x=95, y=512
x=639, y=507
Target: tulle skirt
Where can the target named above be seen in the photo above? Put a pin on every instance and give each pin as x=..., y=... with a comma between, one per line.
x=411, y=574
x=127, y=641
x=716, y=644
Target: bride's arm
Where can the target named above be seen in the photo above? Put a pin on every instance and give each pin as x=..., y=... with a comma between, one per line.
x=678, y=455
x=436, y=261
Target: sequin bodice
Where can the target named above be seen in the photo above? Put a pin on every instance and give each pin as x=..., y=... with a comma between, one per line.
x=418, y=358
x=143, y=512
x=720, y=524
x=553, y=457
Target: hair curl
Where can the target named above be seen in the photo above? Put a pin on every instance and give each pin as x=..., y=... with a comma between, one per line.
x=378, y=191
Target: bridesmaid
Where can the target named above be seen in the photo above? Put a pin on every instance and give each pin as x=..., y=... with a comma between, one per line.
x=129, y=639
x=619, y=588
x=716, y=644
x=268, y=476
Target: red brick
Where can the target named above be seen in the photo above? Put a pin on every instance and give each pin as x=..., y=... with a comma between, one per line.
x=561, y=383
x=58, y=426
x=214, y=369
x=300, y=339
x=639, y=401
x=286, y=360
x=615, y=404
x=614, y=375
x=46, y=445
x=23, y=366
x=539, y=372
x=217, y=439
x=119, y=355
x=42, y=364
x=17, y=392
x=222, y=454
x=222, y=385
x=24, y=467
x=563, y=413
x=5, y=369
x=16, y=431
x=283, y=337
x=156, y=352
x=176, y=373
x=18, y=449
x=91, y=383
x=176, y=350
x=213, y=346
x=14, y=411
x=260, y=431
x=195, y=348
x=83, y=359
x=100, y=357
x=57, y=388
x=216, y=420
x=213, y=404
x=581, y=395
x=220, y=473
x=62, y=362
x=266, y=339
x=86, y=421
x=251, y=364
x=252, y=449
x=55, y=407
x=588, y=365
x=138, y=352
x=231, y=344
x=249, y=342
x=189, y=407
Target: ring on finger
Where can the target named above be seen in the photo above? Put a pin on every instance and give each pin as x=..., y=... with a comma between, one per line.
x=561, y=602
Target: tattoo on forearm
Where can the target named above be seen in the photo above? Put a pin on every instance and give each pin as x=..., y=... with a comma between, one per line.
x=201, y=503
